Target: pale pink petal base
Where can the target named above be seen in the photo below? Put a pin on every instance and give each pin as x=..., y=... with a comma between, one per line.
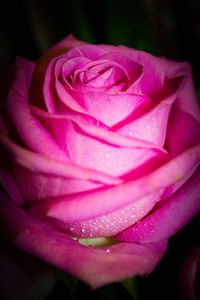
x=95, y=266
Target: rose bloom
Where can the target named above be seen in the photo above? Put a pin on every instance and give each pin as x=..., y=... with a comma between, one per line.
x=189, y=276
x=100, y=158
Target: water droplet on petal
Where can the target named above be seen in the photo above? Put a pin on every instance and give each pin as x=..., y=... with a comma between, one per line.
x=108, y=250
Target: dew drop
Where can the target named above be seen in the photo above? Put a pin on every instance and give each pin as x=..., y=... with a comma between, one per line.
x=108, y=251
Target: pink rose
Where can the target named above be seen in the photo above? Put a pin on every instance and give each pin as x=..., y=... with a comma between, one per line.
x=104, y=150
x=189, y=276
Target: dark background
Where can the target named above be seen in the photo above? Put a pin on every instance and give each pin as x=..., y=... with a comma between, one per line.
x=167, y=28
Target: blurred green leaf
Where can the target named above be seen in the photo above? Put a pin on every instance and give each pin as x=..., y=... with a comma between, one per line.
x=70, y=282
x=131, y=286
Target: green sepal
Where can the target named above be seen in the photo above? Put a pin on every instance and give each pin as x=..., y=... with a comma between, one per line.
x=131, y=286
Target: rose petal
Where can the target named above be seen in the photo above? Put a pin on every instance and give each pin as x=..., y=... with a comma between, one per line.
x=52, y=85
x=91, y=151
x=9, y=184
x=183, y=132
x=187, y=275
x=180, y=123
x=187, y=100
x=152, y=126
x=58, y=126
x=92, y=52
x=86, y=206
x=43, y=185
x=169, y=218
x=6, y=177
x=38, y=163
x=152, y=69
x=96, y=267
x=111, y=108
x=17, y=103
x=129, y=64
x=151, y=66
x=111, y=224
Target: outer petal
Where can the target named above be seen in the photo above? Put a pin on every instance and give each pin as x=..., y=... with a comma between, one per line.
x=43, y=185
x=189, y=272
x=170, y=217
x=183, y=132
x=6, y=177
x=187, y=100
x=38, y=163
x=39, y=140
x=9, y=184
x=87, y=206
x=94, y=266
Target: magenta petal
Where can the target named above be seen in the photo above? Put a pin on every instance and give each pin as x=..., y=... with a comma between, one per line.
x=53, y=89
x=111, y=108
x=187, y=100
x=96, y=267
x=130, y=66
x=38, y=163
x=152, y=70
x=58, y=126
x=151, y=126
x=93, y=153
x=86, y=206
x=106, y=149
x=108, y=224
x=169, y=218
x=188, y=273
x=17, y=103
x=9, y=184
x=44, y=186
x=183, y=132
x=92, y=52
